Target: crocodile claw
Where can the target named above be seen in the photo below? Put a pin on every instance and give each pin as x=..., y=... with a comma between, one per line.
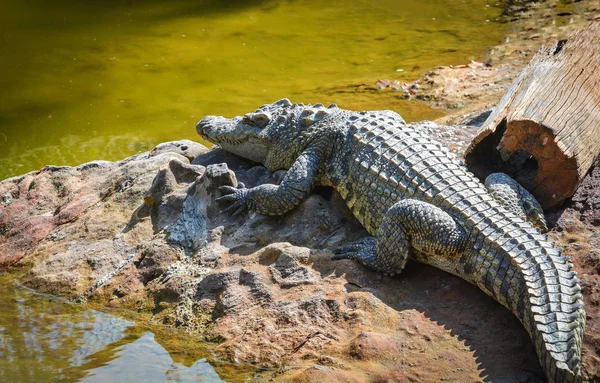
x=364, y=251
x=238, y=199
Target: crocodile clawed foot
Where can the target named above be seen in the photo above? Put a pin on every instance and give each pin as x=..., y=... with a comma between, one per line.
x=238, y=197
x=364, y=251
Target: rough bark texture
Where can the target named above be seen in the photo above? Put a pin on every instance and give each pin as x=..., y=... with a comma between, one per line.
x=545, y=131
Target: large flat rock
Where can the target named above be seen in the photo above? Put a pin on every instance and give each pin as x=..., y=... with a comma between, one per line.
x=145, y=234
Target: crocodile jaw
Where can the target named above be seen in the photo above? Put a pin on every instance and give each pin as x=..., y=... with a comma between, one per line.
x=235, y=136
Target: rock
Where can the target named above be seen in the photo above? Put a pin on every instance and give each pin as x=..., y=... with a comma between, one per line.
x=220, y=175
x=318, y=373
x=586, y=199
x=174, y=177
x=575, y=229
x=271, y=253
x=155, y=259
x=284, y=262
x=146, y=234
x=188, y=149
x=369, y=345
x=93, y=199
x=166, y=198
x=287, y=273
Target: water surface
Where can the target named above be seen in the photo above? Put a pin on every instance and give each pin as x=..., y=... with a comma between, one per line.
x=86, y=80
x=46, y=339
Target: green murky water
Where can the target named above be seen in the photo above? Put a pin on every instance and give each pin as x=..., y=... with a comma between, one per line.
x=85, y=80
x=46, y=339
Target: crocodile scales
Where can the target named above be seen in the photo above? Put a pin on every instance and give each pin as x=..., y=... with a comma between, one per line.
x=416, y=200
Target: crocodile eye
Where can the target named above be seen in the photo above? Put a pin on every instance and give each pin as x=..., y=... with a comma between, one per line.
x=259, y=119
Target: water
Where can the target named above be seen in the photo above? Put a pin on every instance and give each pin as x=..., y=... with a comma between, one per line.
x=46, y=339
x=86, y=80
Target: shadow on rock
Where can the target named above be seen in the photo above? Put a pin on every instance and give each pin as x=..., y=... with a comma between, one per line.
x=263, y=287
x=451, y=326
x=266, y=289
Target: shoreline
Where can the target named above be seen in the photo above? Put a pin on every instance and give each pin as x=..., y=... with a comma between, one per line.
x=469, y=90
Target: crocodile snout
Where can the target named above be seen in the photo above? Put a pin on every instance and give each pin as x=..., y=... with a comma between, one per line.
x=203, y=125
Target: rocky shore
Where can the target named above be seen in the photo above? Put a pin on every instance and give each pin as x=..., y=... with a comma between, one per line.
x=465, y=91
x=145, y=234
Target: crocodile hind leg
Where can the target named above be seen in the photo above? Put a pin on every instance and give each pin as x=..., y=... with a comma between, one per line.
x=516, y=199
x=408, y=225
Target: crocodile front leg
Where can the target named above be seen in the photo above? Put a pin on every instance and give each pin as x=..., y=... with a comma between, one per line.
x=278, y=199
x=407, y=225
x=516, y=199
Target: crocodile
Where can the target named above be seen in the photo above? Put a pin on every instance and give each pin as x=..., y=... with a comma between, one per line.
x=416, y=200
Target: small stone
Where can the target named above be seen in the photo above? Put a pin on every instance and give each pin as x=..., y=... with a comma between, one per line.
x=7, y=199
x=219, y=175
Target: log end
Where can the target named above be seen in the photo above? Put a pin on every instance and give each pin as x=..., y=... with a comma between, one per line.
x=528, y=152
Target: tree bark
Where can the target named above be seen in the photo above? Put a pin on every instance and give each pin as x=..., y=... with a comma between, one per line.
x=545, y=132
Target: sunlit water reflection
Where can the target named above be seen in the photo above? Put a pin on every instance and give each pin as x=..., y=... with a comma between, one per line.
x=87, y=80
x=44, y=338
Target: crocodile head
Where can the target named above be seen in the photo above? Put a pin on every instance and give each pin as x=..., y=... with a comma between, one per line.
x=275, y=134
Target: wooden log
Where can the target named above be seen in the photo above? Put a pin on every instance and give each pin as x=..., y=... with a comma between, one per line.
x=545, y=132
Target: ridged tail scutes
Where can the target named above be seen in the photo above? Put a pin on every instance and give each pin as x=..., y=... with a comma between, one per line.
x=521, y=269
x=555, y=316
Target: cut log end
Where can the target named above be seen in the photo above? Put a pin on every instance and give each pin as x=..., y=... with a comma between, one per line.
x=545, y=131
x=528, y=152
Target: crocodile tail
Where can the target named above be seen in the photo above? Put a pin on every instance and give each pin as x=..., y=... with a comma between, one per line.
x=554, y=313
x=520, y=268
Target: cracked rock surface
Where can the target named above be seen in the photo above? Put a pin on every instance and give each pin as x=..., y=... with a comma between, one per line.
x=145, y=234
